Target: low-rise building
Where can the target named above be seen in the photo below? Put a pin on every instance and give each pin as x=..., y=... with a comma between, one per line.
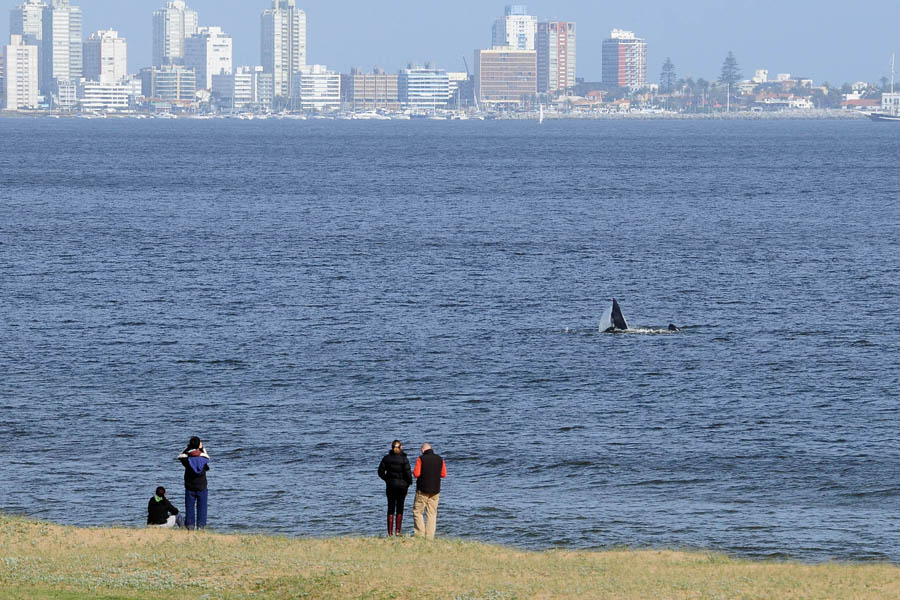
x=424, y=89
x=861, y=104
x=367, y=92
x=247, y=87
x=317, y=89
x=459, y=88
x=169, y=83
x=784, y=103
x=890, y=103
x=97, y=96
x=505, y=77
x=65, y=93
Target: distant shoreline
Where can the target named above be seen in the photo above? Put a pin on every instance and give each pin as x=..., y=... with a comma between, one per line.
x=788, y=115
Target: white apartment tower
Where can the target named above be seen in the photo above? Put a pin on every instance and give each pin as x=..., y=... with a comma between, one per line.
x=555, y=56
x=171, y=25
x=105, y=57
x=19, y=65
x=516, y=28
x=283, y=44
x=62, y=45
x=208, y=52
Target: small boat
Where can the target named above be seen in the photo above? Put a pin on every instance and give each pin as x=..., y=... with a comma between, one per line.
x=892, y=101
x=884, y=117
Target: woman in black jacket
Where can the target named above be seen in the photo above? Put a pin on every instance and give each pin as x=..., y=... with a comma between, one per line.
x=397, y=475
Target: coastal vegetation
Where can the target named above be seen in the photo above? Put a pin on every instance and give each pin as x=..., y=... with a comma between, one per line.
x=42, y=560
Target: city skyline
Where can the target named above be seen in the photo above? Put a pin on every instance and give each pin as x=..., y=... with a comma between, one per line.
x=762, y=36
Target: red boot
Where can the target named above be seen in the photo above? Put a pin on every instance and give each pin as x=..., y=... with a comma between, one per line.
x=390, y=525
x=399, y=523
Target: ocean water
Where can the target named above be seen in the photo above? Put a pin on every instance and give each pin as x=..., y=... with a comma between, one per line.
x=299, y=294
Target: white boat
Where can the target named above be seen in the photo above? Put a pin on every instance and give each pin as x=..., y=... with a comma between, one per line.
x=541, y=115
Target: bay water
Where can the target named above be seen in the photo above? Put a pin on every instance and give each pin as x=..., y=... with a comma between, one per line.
x=299, y=294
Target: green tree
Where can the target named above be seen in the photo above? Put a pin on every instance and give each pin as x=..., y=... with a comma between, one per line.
x=668, y=78
x=731, y=73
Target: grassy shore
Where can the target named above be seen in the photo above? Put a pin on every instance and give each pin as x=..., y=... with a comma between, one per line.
x=41, y=560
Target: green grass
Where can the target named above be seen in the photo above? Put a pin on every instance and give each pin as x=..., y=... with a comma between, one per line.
x=41, y=560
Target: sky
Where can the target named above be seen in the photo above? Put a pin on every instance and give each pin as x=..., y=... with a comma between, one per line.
x=825, y=39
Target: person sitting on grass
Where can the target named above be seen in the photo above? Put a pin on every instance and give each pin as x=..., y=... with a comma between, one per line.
x=161, y=512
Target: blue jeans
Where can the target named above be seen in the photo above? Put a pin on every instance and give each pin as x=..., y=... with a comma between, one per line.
x=195, y=509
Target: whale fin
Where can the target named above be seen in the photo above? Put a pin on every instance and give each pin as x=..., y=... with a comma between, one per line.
x=618, y=319
x=606, y=323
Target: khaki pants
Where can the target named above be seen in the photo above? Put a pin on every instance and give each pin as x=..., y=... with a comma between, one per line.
x=422, y=503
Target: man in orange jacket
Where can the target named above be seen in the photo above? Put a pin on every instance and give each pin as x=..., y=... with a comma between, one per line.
x=429, y=471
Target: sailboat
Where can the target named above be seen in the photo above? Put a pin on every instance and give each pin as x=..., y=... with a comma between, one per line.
x=892, y=114
x=541, y=115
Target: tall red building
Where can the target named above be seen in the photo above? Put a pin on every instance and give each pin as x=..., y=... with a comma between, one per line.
x=624, y=60
x=556, y=56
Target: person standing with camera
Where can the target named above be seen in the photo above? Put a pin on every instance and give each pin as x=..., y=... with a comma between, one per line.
x=196, y=495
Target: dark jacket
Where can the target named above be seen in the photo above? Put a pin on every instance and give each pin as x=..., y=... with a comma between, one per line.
x=430, y=469
x=158, y=512
x=196, y=464
x=395, y=471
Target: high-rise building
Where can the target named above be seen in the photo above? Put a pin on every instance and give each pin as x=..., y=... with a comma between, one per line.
x=367, y=92
x=516, y=28
x=505, y=77
x=245, y=87
x=171, y=25
x=208, y=52
x=422, y=89
x=555, y=56
x=62, y=45
x=25, y=20
x=317, y=89
x=20, y=74
x=105, y=57
x=283, y=49
x=624, y=60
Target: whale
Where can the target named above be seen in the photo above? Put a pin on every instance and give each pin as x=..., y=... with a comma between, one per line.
x=613, y=320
